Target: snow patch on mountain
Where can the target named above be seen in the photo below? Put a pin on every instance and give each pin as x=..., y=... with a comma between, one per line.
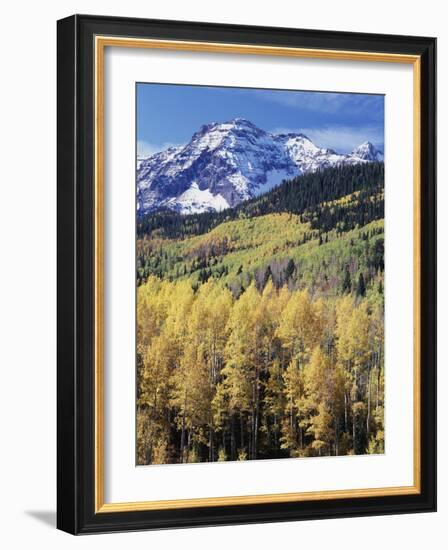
x=195, y=200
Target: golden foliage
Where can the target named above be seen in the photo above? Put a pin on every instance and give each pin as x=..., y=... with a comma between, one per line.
x=272, y=374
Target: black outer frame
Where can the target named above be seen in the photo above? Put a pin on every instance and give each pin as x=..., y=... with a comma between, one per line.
x=75, y=310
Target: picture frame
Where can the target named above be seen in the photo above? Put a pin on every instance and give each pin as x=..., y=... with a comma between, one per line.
x=82, y=202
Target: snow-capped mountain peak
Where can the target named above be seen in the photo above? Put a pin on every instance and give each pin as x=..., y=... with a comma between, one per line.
x=368, y=151
x=229, y=162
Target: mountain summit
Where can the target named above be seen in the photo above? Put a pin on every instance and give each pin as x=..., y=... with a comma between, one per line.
x=227, y=163
x=367, y=151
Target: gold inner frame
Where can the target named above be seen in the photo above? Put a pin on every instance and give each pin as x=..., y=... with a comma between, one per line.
x=101, y=42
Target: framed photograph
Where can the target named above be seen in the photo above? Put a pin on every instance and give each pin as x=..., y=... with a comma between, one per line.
x=246, y=274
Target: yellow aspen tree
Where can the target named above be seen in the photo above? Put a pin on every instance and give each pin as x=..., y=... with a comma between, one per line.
x=242, y=369
x=293, y=388
x=323, y=402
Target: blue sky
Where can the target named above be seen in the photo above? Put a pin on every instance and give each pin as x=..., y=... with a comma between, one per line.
x=169, y=114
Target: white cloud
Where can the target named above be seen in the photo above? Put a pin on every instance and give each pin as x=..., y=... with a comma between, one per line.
x=146, y=149
x=342, y=139
x=327, y=102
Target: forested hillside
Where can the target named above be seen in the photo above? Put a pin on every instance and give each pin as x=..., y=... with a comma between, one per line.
x=308, y=193
x=260, y=328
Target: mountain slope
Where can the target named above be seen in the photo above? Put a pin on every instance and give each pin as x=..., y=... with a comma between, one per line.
x=226, y=164
x=320, y=221
x=313, y=192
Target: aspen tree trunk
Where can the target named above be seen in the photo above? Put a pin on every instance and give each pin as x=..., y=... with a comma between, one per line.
x=232, y=438
x=275, y=431
x=378, y=380
x=291, y=417
x=345, y=411
x=257, y=413
x=242, y=430
x=336, y=438
x=368, y=403
x=188, y=446
x=256, y=435
x=354, y=400
x=182, y=437
x=210, y=445
x=252, y=445
x=354, y=433
x=213, y=382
